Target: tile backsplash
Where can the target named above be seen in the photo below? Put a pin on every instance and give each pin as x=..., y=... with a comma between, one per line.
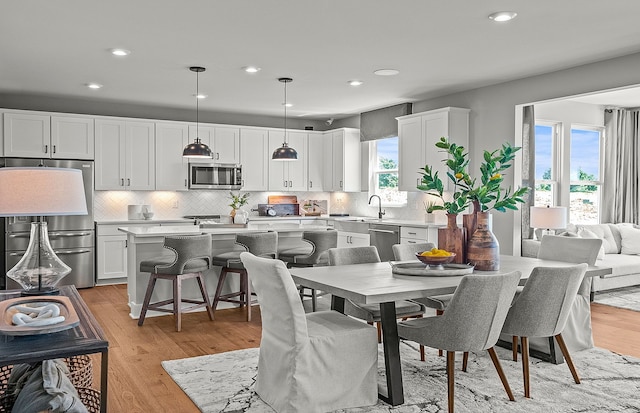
x=112, y=205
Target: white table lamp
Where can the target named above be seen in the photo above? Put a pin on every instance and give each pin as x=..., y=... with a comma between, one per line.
x=40, y=191
x=548, y=218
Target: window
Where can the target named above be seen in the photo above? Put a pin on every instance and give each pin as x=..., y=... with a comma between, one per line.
x=384, y=173
x=585, y=176
x=546, y=167
x=568, y=169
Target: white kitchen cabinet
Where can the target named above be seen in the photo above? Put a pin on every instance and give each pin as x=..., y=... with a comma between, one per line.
x=352, y=239
x=288, y=175
x=316, y=161
x=111, y=249
x=342, y=160
x=224, y=141
x=254, y=157
x=125, y=155
x=40, y=135
x=418, y=235
x=171, y=169
x=418, y=134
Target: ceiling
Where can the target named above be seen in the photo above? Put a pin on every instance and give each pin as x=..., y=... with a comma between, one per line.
x=55, y=48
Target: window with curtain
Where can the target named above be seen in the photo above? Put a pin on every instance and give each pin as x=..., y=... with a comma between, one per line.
x=568, y=169
x=547, y=164
x=384, y=172
x=585, y=175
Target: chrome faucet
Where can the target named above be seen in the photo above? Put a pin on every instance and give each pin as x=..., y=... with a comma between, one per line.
x=380, y=211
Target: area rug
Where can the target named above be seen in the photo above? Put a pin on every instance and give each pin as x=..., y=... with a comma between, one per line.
x=610, y=383
x=628, y=298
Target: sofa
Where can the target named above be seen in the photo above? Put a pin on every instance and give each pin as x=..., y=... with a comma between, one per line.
x=620, y=251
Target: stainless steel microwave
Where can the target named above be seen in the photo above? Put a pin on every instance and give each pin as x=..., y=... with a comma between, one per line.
x=215, y=176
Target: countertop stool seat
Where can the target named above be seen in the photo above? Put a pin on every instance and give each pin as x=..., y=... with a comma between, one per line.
x=192, y=257
x=312, y=253
x=261, y=244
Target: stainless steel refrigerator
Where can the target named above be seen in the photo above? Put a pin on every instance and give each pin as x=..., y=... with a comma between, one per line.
x=72, y=237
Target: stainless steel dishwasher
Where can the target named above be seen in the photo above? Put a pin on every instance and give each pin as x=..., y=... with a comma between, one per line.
x=383, y=236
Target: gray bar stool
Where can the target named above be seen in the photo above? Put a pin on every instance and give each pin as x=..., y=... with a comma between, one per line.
x=192, y=256
x=311, y=254
x=261, y=244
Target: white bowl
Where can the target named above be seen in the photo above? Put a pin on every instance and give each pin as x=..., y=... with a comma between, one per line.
x=147, y=215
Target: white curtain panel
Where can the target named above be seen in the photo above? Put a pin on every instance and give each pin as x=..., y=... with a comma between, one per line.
x=620, y=188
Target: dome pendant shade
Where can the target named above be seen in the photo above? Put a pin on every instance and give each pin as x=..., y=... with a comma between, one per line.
x=196, y=149
x=284, y=153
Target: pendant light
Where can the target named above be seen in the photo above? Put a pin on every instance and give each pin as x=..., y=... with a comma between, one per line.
x=197, y=149
x=285, y=153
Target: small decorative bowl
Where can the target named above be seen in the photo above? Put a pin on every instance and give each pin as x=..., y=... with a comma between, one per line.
x=435, y=261
x=147, y=215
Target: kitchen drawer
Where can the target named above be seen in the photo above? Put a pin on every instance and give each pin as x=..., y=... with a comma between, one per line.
x=414, y=232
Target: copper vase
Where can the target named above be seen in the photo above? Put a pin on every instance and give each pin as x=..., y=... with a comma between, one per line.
x=483, y=250
x=451, y=238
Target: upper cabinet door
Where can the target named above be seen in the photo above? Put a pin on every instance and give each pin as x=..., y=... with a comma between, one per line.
x=297, y=170
x=72, y=137
x=315, y=158
x=411, y=153
x=110, y=154
x=226, y=145
x=171, y=167
x=278, y=170
x=140, y=155
x=27, y=135
x=254, y=157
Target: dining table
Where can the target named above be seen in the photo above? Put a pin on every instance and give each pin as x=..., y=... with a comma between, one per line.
x=376, y=283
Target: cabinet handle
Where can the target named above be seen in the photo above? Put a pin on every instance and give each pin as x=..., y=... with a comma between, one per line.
x=121, y=181
x=185, y=183
x=218, y=156
x=46, y=148
x=54, y=148
x=412, y=233
x=310, y=184
x=128, y=181
x=285, y=184
x=417, y=181
x=242, y=182
x=340, y=184
x=411, y=242
x=126, y=243
x=290, y=184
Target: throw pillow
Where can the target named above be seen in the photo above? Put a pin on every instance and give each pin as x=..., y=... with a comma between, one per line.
x=630, y=240
x=48, y=388
x=585, y=233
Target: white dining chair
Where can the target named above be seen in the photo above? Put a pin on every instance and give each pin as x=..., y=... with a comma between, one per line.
x=316, y=362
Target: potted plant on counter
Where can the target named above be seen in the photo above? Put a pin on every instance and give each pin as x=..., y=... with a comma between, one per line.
x=238, y=201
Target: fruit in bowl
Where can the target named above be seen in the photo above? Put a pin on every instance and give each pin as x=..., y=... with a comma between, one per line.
x=435, y=257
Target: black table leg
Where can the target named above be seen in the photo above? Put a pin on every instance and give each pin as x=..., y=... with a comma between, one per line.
x=391, y=345
x=104, y=372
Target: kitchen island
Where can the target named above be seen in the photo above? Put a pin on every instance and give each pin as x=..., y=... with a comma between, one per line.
x=144, y=243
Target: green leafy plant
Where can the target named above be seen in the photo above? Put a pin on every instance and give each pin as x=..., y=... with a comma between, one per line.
x=238, y=200
x=488, y=194
x=429, y=206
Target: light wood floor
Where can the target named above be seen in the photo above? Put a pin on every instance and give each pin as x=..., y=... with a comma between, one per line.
x=139, y=384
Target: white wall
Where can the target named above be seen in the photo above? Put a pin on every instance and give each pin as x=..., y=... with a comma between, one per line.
x=492, y=119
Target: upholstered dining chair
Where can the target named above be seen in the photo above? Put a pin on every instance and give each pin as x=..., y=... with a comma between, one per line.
x=542, y=310
x=262, y=244
x=371, y=312
x=472, y=322
x=313, y=252
x=192, y=256
x=321, y=361
x=577, y=333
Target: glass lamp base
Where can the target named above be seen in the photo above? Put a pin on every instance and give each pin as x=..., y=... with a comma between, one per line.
x=43, y=291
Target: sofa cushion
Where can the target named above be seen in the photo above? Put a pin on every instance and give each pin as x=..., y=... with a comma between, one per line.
x=621, y=264
x=603, y=231
x=630, y=240
x=586, y=233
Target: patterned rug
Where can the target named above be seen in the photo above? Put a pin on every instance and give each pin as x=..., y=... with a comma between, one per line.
x=610, y=383
x=628, y=298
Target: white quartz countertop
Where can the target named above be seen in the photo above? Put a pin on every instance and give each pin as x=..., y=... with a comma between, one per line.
x=129, y=222
x=155, y=231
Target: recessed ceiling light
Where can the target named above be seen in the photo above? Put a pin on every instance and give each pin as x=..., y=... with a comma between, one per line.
x=251, y=69
x=94, y=85
x=386, y=72
x=120, y=52
x=503, y=16
x=201, y=96
x=355, y=82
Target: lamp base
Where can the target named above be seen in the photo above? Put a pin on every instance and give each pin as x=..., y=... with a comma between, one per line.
x=43, y=291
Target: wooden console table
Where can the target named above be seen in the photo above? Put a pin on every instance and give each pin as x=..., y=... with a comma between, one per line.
x=86, y=338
